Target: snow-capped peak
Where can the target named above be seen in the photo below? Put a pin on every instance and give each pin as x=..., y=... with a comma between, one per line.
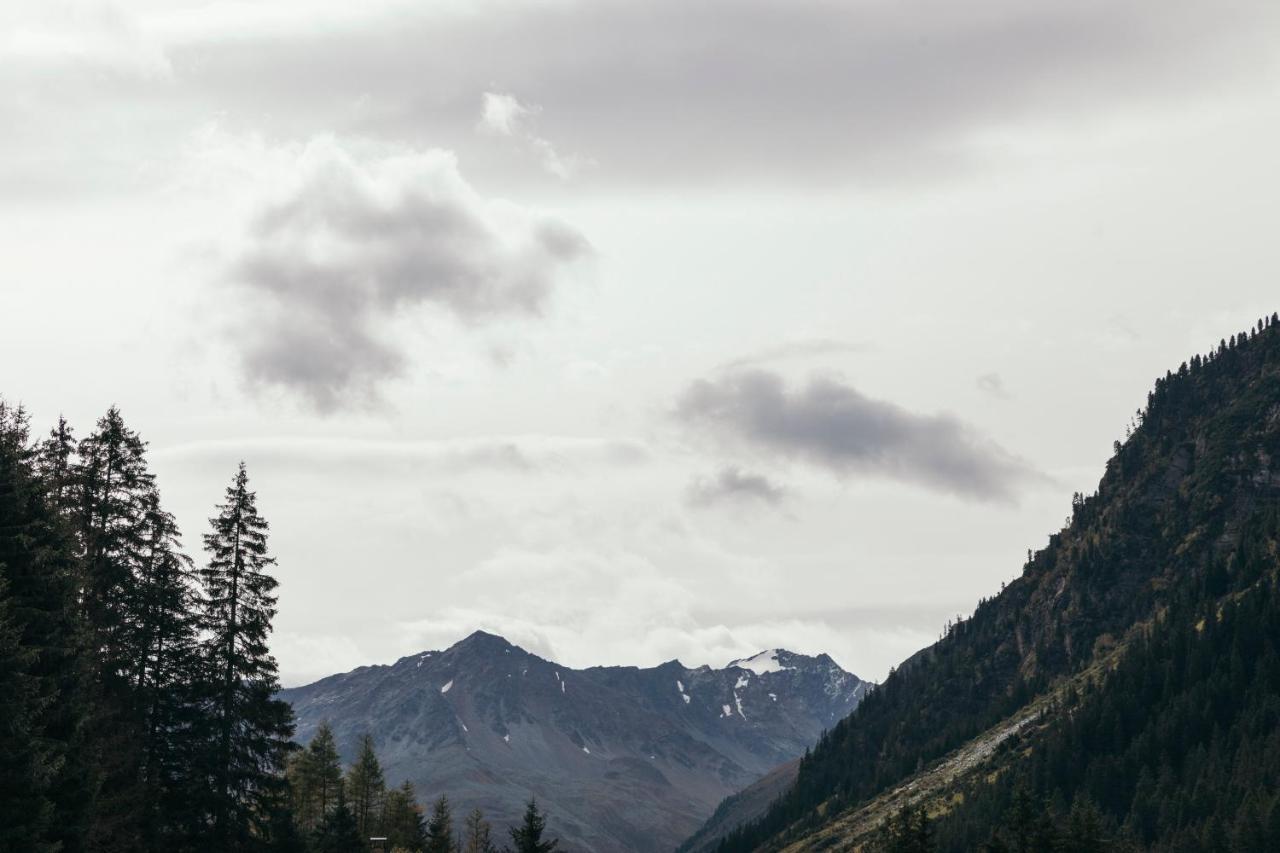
x=764, y=662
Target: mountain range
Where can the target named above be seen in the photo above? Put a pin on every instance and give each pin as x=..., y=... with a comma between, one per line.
x=622, y=758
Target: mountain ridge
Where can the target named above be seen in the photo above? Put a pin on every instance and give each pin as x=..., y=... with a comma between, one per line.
x=1082, y=683
x=622, y=757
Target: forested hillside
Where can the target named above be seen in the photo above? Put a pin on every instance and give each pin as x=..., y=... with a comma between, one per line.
x=1127, y=683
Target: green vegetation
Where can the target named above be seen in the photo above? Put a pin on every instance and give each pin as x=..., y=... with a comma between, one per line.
x=1170, y=570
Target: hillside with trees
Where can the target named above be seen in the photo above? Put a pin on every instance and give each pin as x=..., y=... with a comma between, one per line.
x=1124, y=692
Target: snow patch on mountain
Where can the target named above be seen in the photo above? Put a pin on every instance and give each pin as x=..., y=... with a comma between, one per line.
x=762, y=663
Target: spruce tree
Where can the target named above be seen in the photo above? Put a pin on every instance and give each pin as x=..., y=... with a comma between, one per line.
x=167, y=674
x=113, y=489
x=440, y=828
x=528, y=836
x=45, y=703
x=337, y=832
x=366, y=789
x=250, y=731
x=315, y=779
x=405, y=826
x=56, y=464
x=25, y=808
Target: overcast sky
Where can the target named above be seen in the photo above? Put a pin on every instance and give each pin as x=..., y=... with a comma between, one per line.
x=630, y=330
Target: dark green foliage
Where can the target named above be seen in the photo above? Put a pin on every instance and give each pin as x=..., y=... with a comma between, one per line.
x=114, y=489
x=527, y=837
x=366, y=789
x=1176, y=747
x=46, y=782
x=315, y=779
x=337, y=833
x=112, y=733
x=405, y=826
x=908, y=831
x=251, y=728
x=440, y=828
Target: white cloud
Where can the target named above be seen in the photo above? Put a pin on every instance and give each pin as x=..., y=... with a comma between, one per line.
x=504, y=115
x=88, y=38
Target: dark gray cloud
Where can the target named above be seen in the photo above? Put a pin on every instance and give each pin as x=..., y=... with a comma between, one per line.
x=833, y=425
x=350, y=245
x=733, y=485
x=668, y=90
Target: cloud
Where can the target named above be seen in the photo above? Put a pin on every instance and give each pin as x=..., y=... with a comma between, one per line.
x=812, y=348
x=733, y=485
x=583, y=606
x=349, y=244
x=668, y=91
x=87, y=39
x=519, y=454
x=504, y=115
x=992, y=384
x=834, y=426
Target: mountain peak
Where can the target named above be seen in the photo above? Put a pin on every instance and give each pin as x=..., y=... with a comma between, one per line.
x=482, y=641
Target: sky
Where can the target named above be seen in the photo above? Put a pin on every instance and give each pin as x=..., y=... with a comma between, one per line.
x=630, y=331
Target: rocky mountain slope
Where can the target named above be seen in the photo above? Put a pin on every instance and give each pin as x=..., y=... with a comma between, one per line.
x=1126, y=685
x=623, y=758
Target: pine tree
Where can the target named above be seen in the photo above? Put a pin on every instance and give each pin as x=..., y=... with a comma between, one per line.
x=528, y=836
x=251, y=729
x=404, y=824
x=25, y=809
x=315, y=779
x=114, y=488
x=56, y=464
x=440, y=828
x=366, y=789
x=478, y=834
x=167, y=672
x=115, y=491
x=337, y=832
x=46, y=704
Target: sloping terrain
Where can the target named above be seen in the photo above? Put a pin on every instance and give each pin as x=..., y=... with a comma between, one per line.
x=622, y=758
x=1131, y=674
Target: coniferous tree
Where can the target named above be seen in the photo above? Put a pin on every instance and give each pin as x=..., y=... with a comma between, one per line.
x=478, y=834
x=56, y=464
x=528, y=836
x=366, y=789
x=908, y=831
x=25, y=808
x=337, y=833
x=405, y=826
x=250, y=729
x=113, y=490
x=167, y=673
x=315, y=779
x=46, y=703
x=440, y=828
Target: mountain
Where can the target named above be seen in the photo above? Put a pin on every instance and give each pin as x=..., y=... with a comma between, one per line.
x=1123, y=692
x=623, y=758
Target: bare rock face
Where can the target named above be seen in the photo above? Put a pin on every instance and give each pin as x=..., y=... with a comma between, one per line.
x=622, y=758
